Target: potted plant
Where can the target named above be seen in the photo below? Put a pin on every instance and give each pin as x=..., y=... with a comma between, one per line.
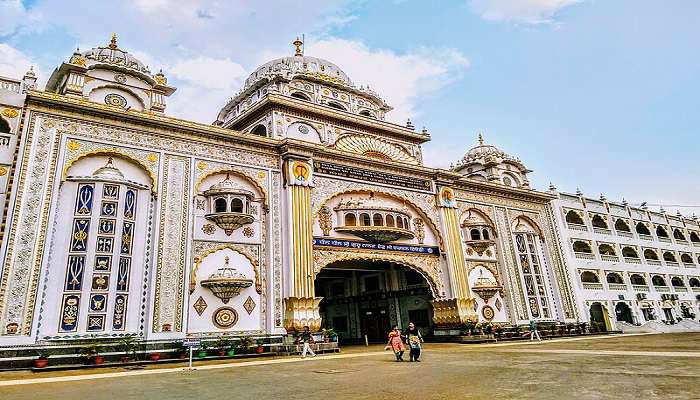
x=154, y=356
x=181, y=350
x=260, y=349
x=487, y=328
x=553, y=329
x=42, y=359
x=498, y=330
x=128, y=346
x=329, y=334
x=468, y=328
x=202, y=351
x=245, y=343
x=222, y=344
x=91, y=354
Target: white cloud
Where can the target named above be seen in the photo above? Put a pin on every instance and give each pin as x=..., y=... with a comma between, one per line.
x=401, y=79
x=520, y=11
x=12, y=13
x=14, y=63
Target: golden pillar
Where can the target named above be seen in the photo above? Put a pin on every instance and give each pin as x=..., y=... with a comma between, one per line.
x=301, y=307
x=459, y=309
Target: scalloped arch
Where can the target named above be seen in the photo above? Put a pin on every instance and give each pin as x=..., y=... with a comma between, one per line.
x=200, y=257
x=374, y=147
x=516, y=221
x=420, y=212
x=241, y=174
x=482, y=214
x=111, y=151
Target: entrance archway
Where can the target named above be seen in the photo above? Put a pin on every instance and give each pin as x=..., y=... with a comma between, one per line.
x=599, y=315
x=623, y=313
x=362, y=297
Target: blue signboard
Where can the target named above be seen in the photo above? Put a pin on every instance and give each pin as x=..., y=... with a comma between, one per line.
x=403, y=248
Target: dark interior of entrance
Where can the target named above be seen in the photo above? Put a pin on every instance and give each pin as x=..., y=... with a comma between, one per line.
x=366, y=298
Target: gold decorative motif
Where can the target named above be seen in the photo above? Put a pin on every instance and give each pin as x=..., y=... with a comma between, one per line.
x=301, y=171
x=325, y=220
x=208, y=229
x=248, y=231
x=249, y=305
x=10, y=113
x=261, y=174
x=301, y=312
x=419, y=226
x=3, y=171
x=73, y=145
x=201, y=165
x=200, y=305
x=152, y=157
x=79, y=60
x=373, y=146
x=487, y=312
x=225, y=317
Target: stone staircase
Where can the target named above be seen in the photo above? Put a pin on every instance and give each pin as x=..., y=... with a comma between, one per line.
x=685, y=325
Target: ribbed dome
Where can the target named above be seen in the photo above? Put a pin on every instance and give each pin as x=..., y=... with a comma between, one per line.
x=108, y=172
x=227, y=186
x=483, y=153
x=288, y=67
x=113, y=56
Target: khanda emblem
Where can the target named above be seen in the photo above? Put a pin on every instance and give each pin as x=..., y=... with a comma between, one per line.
x=85, y=194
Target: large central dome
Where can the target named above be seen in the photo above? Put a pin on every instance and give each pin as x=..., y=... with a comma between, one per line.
x=289, y=67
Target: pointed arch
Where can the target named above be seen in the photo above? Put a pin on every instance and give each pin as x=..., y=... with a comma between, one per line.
x=522, y=222
x=466, y=213
x=115, y=152
x=198, y=258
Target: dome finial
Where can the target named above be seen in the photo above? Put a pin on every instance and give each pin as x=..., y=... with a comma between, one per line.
x=298, y=49
x=481, y=138
x=113, y=41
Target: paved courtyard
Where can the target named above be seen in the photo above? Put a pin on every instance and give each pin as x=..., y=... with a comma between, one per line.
x=615, y=367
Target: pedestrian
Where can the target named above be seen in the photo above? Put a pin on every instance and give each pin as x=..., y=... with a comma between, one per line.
x=533, y=331
x=414, y=340
x=307, y=339
x=395, y=343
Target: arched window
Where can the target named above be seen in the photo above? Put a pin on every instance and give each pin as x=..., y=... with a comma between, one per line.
x=658, y=280
x=677, y=282
x=629, y=252
x=694, y=237
x=637, y=279
x=533, y=273
x=606, y=249
x=582, y=247
x=572, y=217
x=678, y=235
x=350, y=219
x=589, y=277
x=399, y=222
x=4, y=126
x=621, y=225
x=598, y=222
x=236, y=205
x=220, y=205
x=335, y=105
x=485, y=234
x=366, y=113
x=474, y=234
x=406, y=224
x=642, y=229
x=300, y=96
x=694, y=282
x=668, y=256
x=365, y=220
x=686, y=259
x=390, y=221
x=614, y=277
x=378, y=220
x=661, y=232
x=650, y=254
x=259, y=130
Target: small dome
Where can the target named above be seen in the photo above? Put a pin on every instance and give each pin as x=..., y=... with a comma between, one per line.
x=289, y=67
x=113, y=56
x=227, y=186
x=486, y=152
x=108, y=172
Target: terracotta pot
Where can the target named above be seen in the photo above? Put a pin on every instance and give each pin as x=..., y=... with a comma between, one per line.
x=154, y=356
x=182, y=356
x=326, y=339
x=124, y=359
x=41, y=362
x=260, y=350
x=97, y=360
x=222, y=353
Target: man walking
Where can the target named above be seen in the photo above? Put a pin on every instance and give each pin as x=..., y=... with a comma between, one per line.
x=533, y=331
x=306, y=339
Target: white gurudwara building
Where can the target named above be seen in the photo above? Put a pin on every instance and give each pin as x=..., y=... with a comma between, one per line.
x=300, y=205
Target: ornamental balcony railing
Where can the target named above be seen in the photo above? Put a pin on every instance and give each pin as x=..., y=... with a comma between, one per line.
x=680, y=289
x=607, y=257
x=625, y=234
x=633, y=260
x=645, y=237
x=664, y=239
x=672, y=263
x=577, y=227
x=602, y=231
x=696, y=244
x=652, y=262
x=681, y=241
x=695, y=289
x=640, y=288
x=592, y=286
x=585, y=256
x=662, y=289
x=689, y=265
x=617, y=286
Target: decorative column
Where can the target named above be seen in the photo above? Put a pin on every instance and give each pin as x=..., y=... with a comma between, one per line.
x=301, y=308
x=459, y=309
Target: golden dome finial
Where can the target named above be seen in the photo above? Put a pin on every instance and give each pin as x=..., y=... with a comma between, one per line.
x=481, y=138
x=113, y=41
x=297, y=44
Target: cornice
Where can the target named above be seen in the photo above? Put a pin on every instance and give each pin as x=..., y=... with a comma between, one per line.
x=499, y=190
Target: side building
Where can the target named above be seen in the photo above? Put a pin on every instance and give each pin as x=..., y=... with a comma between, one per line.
x=630, y=264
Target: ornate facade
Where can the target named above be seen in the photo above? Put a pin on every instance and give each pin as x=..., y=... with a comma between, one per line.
x=300, y=205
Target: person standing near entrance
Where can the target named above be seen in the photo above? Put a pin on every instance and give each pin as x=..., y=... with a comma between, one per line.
x=395, y=343
x=306, y=339
x=533, y=331
x=414, y=340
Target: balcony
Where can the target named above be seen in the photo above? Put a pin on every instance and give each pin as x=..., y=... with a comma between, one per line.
x=625, y=234
x=689, y=265
x=680, y=289
x=664, y=239
x=653, y=262
x=585, y=256
x=662, y=289
x=640, y=288
x=577, y=227
x=617, y=286
x=633, y=260
x=606, y=257
x=645, y=237
x=695, y=289
x=592, y=286
x=672, y=263
x=683, y=242
x=602, y=231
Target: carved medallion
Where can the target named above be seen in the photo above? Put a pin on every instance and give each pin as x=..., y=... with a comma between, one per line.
x=225, y=317
x=249, y=305
x=209, y=229
x=325, y=221
x=487, y=312
x=248, y=231
x=200, y=305
x=419, y=226
x=115, y=100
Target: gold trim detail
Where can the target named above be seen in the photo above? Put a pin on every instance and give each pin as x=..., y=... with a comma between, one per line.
x=10, y=113
x=111, y=151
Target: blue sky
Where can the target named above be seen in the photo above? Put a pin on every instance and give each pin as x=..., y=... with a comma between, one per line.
x=600, y=95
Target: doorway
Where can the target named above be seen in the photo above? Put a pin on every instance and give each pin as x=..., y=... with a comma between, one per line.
x=623, y=313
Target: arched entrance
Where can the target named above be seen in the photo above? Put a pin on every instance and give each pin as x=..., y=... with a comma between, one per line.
x=362, y=297
x=623, y=313
x=599, y=315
